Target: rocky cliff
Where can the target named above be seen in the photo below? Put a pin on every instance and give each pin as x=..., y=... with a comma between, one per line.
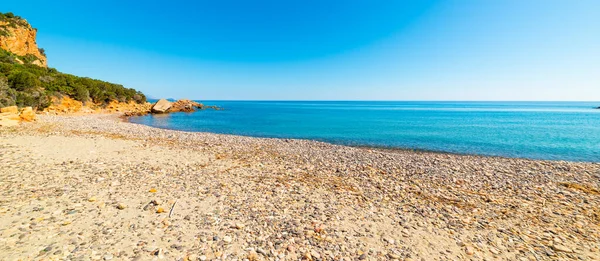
x=17, y=36
x=26, y=81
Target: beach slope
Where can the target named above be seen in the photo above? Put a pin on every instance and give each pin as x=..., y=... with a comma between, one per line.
x=95, y=187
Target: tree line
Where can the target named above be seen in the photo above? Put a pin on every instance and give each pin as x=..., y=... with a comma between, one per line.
x=25, y=84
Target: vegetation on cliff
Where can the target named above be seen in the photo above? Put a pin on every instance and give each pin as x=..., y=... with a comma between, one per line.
x=11, y=20
x=23, y=83
x=31, y=85
x=17, y=36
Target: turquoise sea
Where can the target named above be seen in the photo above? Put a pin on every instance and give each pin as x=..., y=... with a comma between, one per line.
x=536, y=130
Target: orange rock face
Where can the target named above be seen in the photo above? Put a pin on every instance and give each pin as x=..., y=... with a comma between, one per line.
x=130, y=107
x=27, y=114
x=11, y=109
x=11, y=116
x=67, y=105
x=64, y=105
x=21, y=41
x=8, y=122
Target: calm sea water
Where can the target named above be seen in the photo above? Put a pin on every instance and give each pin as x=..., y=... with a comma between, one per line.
x=537, y=130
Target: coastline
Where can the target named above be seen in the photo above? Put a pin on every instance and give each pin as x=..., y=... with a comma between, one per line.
x=385, y=149
x=239, y=197
x=559, y=134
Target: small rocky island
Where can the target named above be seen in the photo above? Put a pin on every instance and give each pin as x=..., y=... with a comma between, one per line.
x=165, y=106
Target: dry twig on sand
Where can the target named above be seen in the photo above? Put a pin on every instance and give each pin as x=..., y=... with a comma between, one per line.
x=172, y=207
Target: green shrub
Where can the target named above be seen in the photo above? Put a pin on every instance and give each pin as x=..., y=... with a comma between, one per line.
x=31, y=85
x=23, y=80
x=8, y=96
x=81, y=93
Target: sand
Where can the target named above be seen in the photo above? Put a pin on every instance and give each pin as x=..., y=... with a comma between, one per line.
x=97, y=188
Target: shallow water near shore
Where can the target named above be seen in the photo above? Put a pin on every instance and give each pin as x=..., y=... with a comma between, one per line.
x=536, y=130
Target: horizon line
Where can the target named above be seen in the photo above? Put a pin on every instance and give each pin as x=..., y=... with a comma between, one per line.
x=324, y=100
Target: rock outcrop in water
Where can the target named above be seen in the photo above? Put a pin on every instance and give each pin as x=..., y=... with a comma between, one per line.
x=185, y=106
x=165, y=106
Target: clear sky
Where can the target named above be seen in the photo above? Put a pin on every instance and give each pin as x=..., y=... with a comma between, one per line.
x=327, y=50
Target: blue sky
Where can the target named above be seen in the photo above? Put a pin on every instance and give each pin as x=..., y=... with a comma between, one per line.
x=328, y=50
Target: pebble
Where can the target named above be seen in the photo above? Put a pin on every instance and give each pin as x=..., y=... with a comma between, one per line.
x=252, y=256
x=394, y=256
x=262, y=251
x=389, y=240
x=562, y=248
x=315, y=254
x=494, y=251
x=121, y=206
x=469, y=250
x=277, y=198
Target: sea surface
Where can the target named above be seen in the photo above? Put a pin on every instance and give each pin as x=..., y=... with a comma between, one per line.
x=536, y=130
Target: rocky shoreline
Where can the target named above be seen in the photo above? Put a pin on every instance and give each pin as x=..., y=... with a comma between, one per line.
x=12, y=115
x=95, y=188
x=164, y=106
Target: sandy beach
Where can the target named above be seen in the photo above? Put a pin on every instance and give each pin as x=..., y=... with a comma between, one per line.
x=97, y=188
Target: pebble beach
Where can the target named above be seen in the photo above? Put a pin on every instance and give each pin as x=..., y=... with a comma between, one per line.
x=95, y=187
